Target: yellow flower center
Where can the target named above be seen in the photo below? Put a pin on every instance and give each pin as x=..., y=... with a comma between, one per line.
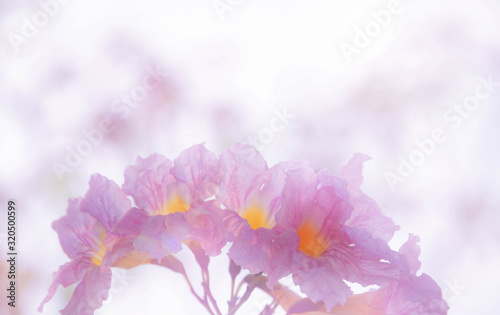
x=97, y=255
x=311, y=242
x=174, y=204
x=258, y=217
x=132, y=260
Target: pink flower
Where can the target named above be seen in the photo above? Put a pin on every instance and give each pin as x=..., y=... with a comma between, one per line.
x=410, y=294
x=287, y=219
x=253, y=191
x=318, y=207
x=173, y=206
x=82, y=234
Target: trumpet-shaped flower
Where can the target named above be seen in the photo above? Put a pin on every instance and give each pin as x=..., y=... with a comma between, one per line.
x=318, y=208
x=253, y=191
x=82, y=234
x=171, y=205
x=410, y=294
x=287, y=219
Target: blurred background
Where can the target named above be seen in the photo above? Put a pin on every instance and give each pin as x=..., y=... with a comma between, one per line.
x=413, y=84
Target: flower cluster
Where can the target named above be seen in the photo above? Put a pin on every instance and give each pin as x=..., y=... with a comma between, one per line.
x=283, y=220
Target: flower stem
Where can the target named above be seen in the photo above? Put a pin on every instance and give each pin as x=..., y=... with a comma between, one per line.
x=208, y=293
x=204, y=301
x=252, y=281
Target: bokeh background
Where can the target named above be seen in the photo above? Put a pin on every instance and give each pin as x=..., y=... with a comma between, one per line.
x=226, y=71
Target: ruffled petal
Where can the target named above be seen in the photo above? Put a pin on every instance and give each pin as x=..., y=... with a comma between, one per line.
x=79, y=233
x=284, y=256
x=267, y=251
x=299, y=193
x=417, y=295
x=105, y=201
x=321, y=283
x=200, y=170
x=120, y=241
x=271, y=192
x=356, y=265
x=333, y=198
x=206, y=225
x=89, y=293
x=369, y=303
x=68, y=274
x=245, y=171
x=411, y=251
x=162, y=235
x=152, y=185
x=252, y=249
x=366, y=214
x=375, y=247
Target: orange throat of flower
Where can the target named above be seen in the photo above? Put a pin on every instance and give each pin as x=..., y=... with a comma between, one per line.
x=174, y=204
x=98, y=254
x=258, y=217
x=312, y=243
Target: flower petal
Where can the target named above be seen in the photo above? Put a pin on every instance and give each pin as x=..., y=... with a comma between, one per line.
x=89, y=293
x=206, y=225
x=79, y=233
x=411, y=251
x=252, y=249
x=245, y=171
x=417, y=295
x=105, y=201
x=150, y=182
x=284, y=256
x=299, y=193
x=375, y=247
x=366, y=213
x=200, y=170
x=355, y=265
x=162, y=235
x=68, y=274
x=321, y=282
x=120, y=241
